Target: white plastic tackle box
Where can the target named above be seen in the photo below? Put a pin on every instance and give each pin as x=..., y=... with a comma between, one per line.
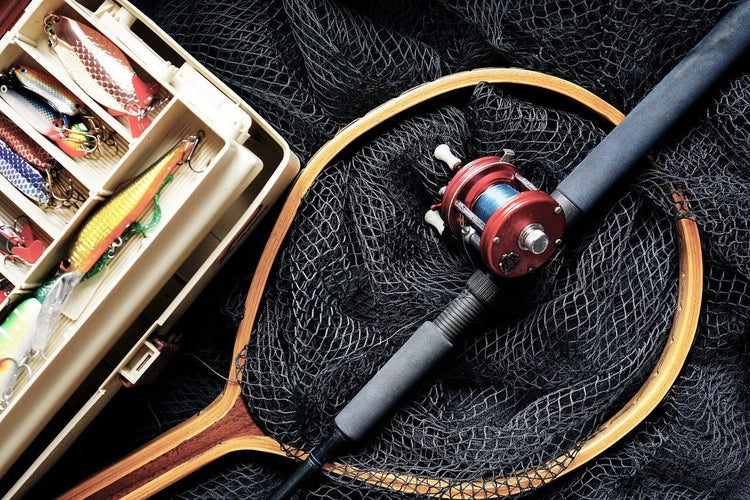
x=105, y=339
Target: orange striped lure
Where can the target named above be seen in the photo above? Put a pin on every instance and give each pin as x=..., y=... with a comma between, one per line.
x=105, y=230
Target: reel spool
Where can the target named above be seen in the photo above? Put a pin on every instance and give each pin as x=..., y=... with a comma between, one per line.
x=491, y=206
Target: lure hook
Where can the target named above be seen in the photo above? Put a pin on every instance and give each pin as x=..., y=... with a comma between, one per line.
x=140, y=112
x=87, y=141
x=23, y=365
x=68, y=196
x=195, y=139
x=14, y=258
x=5, y=397
x=12, y=232
x=112, y=251
x=18, y=229
x=101, y=132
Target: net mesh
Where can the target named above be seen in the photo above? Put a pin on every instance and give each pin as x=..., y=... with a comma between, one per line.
x=359, y=271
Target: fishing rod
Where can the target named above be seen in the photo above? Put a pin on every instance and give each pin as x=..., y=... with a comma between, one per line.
x=516, y=228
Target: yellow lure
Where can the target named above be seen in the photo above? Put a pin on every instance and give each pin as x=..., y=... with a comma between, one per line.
x=101, y=230
x=122, y=209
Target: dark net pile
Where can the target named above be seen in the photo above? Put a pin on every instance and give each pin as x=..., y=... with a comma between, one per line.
x=566, y=347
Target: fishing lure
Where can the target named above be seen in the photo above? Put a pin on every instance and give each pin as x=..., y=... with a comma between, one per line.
x=9, y=239
x=113, y=221
x=23, y=176
x=16, y=334
x=102, y=70
x=24, y=146
x=76, y=122
x=47, y=121
x=48, y=88
x=63, y=193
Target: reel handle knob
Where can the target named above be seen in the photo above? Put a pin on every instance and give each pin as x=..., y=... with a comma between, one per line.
x=444, y=154
x=534, y=239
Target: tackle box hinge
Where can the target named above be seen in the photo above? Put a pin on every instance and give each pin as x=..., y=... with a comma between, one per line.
x=148, y=361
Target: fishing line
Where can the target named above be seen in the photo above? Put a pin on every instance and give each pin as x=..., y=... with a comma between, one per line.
x=211, y=369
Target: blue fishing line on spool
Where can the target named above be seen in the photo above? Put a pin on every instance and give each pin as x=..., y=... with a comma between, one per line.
x=493, y=198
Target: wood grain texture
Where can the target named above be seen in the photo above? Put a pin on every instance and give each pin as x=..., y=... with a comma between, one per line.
x=226, y=425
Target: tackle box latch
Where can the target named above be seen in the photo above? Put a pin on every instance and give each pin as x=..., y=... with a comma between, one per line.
x=147, y=362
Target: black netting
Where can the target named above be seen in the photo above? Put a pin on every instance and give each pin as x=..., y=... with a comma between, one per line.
x=360, y=270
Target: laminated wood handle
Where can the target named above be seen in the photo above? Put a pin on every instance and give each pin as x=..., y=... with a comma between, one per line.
x=220, y=429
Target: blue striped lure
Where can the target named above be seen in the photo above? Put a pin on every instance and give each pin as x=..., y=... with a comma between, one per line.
x=46, y=120
x=22, y=175
x=48, y=88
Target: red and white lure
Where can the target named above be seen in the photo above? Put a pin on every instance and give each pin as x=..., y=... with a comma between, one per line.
x=102, y=70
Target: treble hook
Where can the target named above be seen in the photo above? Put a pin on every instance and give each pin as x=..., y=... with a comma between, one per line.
x=87, y=140
x=66, y=195
x=112, y=251
x=103, y=134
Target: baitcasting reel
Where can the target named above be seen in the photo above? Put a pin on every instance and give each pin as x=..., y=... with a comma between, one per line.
x=490, y=206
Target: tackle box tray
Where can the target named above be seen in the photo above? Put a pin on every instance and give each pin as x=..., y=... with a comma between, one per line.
x=108, y=336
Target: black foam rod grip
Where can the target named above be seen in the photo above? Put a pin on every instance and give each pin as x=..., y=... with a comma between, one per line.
x=410, y=363
x=629, y=142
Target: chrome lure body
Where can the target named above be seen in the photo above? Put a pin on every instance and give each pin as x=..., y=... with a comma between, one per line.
x=48, y=88
x=43, y=118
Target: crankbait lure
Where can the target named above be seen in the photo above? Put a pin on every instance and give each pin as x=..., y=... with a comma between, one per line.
x=16, y=334
x=47, y=121
x=76, y=123
x=23, y=176
x=102, y=70
x=114, y=220
x=48, y=88
x=24, y=146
